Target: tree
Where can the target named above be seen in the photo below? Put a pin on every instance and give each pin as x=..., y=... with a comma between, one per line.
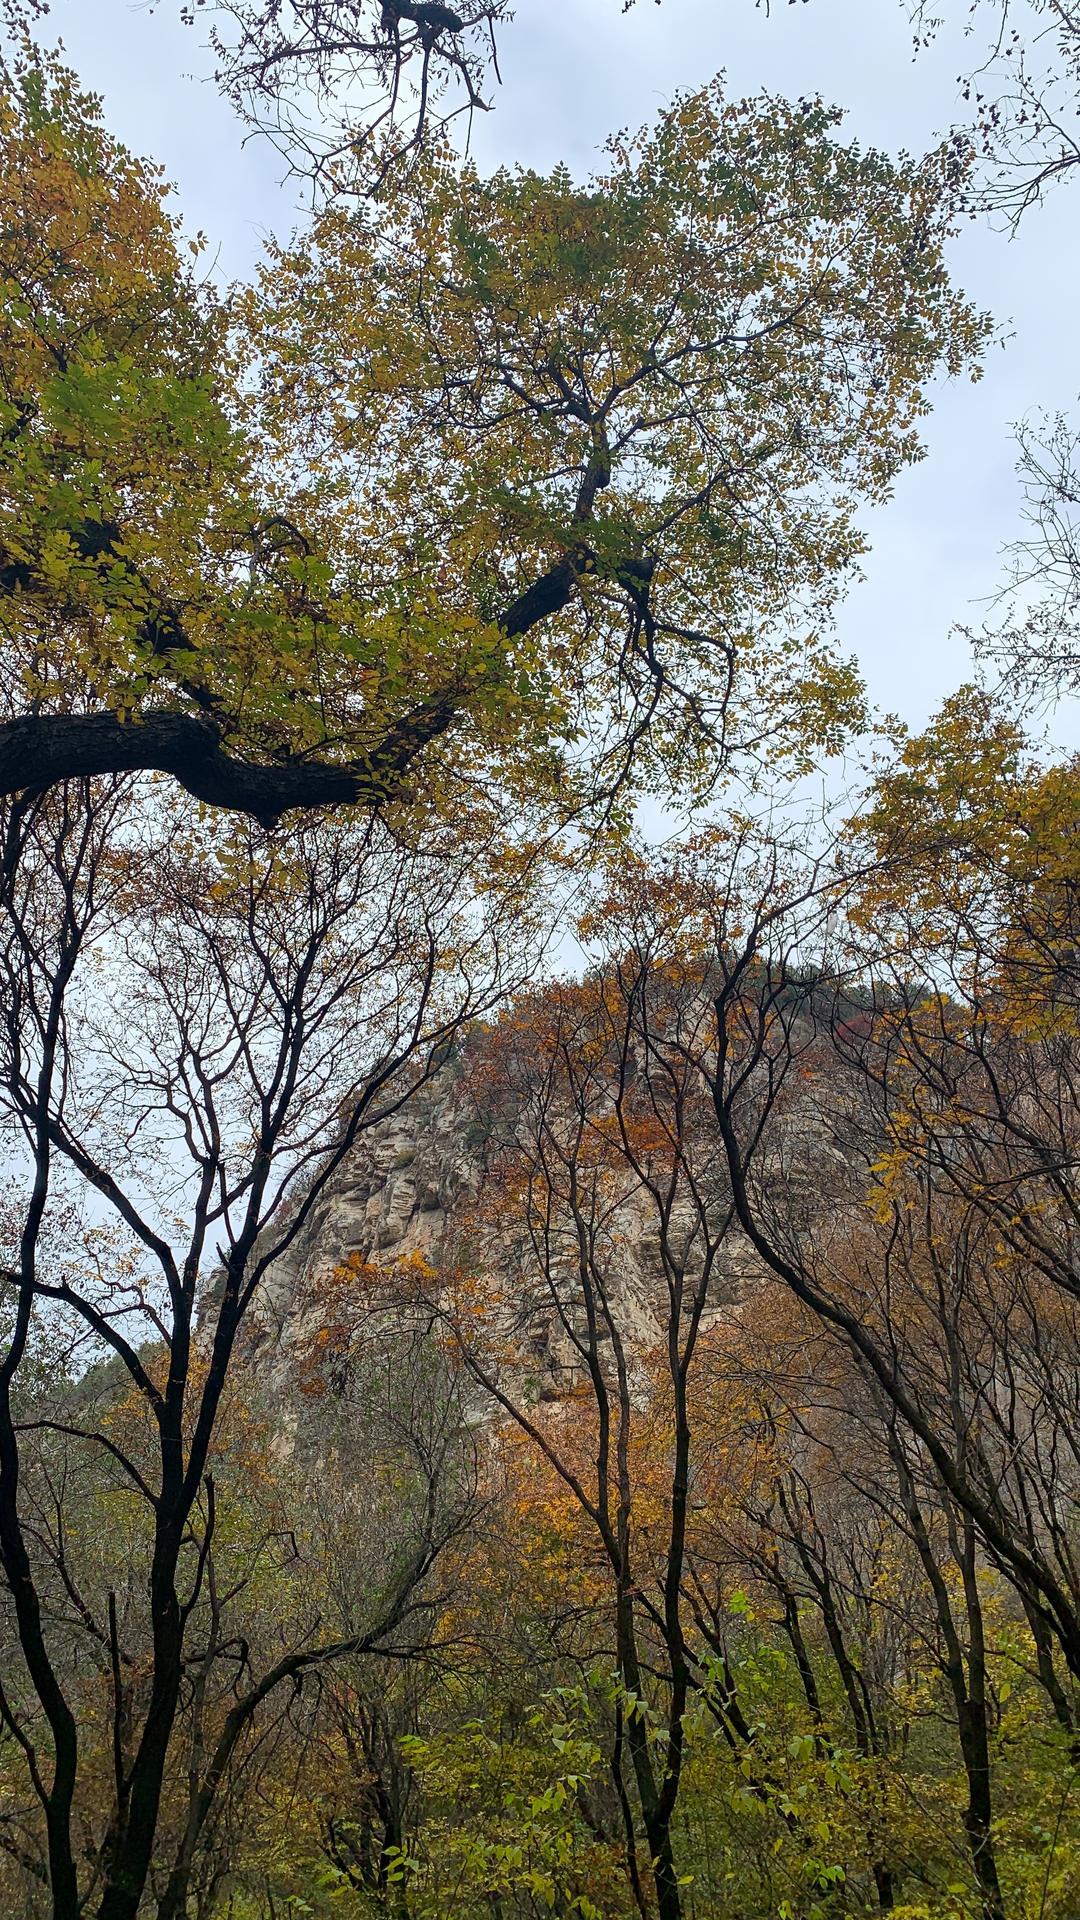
x=194, y=1035
x=411, y=513
x=375, y=1492
x=596, y=1099
x=947, y=1270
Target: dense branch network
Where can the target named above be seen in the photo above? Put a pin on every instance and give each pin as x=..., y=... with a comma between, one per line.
x=328, y=79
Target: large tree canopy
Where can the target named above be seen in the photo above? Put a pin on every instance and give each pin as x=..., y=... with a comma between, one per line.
x=500, y=473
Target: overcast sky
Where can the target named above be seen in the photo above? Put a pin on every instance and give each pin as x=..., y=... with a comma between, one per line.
x=574, y=70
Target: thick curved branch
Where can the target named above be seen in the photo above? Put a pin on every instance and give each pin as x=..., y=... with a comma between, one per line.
x=39, y=750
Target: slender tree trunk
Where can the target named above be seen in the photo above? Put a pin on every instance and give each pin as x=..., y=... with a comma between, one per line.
x=978, y=1814
x=655, y=1815
x=966, y=1678
x=975, y=1735
x=793, y=1629
x=57, y=1795
x=623, y=1797
x=1048, y=1674
x=134, y=1845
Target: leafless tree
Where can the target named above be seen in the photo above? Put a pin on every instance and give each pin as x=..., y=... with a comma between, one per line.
x=195, y=1033
x=332, y=79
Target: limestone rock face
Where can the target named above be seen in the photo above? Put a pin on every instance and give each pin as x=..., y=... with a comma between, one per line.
x=394, y=1195
x=409, y=1186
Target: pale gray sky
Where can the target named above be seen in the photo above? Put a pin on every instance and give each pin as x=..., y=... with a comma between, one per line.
x=573, y=71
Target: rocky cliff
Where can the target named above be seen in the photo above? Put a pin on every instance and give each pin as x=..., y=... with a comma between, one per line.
x=412, y=1184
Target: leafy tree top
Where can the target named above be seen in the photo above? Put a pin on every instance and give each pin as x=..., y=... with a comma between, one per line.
x=537, y=485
